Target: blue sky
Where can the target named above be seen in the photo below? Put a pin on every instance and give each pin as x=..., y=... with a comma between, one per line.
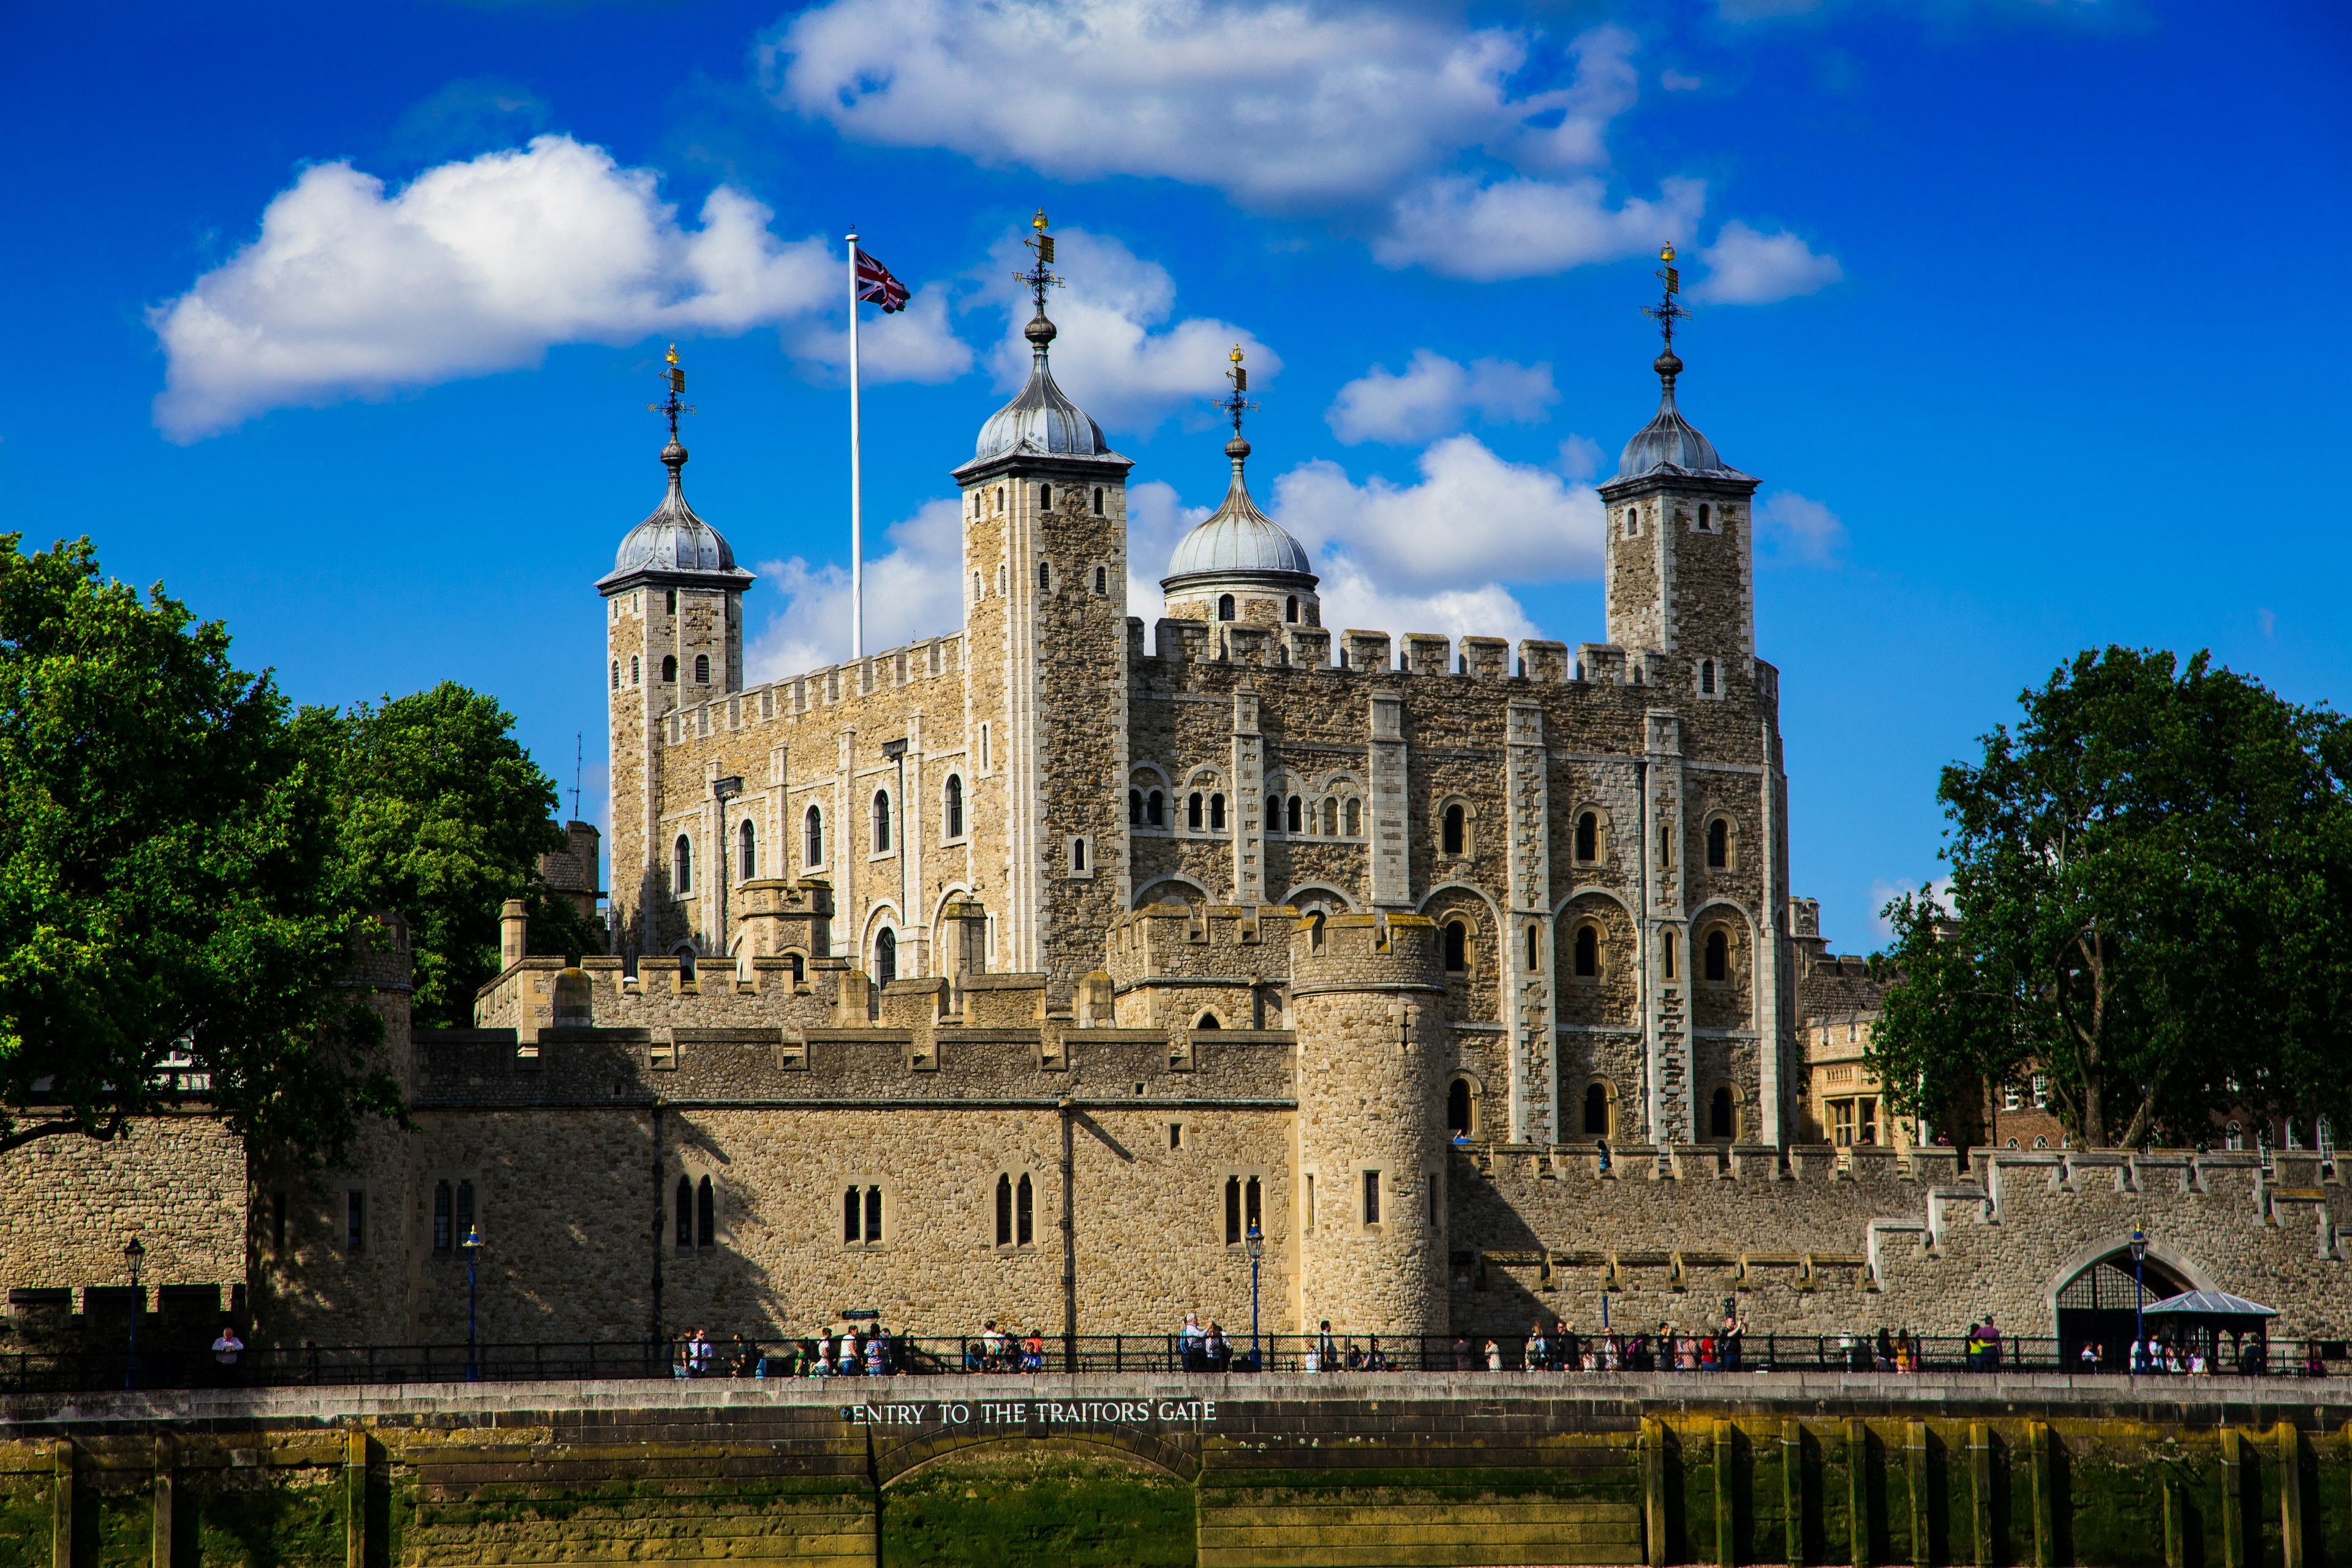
x=2025, y=314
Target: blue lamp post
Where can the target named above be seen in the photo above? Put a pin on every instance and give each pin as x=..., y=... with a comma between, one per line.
x=473, y=1246
x=131, y=1254
x=1255, y=1246
x=2139, y=1296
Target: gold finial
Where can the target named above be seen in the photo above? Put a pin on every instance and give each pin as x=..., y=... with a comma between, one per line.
x=1237, y=354
x=1666, y=253
x=1038, y=223
x=673, y=353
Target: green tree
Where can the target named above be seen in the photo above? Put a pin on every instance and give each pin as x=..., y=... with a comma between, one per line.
x=444, y=817
x=2151, y=904
x=167, y=886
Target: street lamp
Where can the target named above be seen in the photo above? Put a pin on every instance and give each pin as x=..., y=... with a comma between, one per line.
x=1256, y=1247
x=2139, y=1296
x=473, y=1246
x=722, y=790
x=132, y=1252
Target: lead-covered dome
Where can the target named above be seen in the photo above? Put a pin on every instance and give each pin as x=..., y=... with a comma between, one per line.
x=1237, y=540
x=673, y=541
x=1041, y=420
x=1669, y=442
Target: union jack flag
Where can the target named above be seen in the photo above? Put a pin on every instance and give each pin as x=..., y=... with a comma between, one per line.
x=876, y=286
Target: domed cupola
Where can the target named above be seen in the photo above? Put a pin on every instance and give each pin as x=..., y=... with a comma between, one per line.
x=1239, y=564
x=1670, y=443
x=673, y=543
x=1041, y=421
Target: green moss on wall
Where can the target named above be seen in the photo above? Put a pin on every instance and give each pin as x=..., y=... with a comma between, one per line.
x=1015, y=1510
x=25, y=1528
x=263, y=1525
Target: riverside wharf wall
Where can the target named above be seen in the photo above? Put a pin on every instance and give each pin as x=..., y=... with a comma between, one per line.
x=1337, y=1471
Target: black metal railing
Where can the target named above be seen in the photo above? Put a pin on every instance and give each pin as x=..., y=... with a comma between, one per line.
x=1565, y=1357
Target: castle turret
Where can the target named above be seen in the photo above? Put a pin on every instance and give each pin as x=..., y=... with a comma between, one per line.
x=672, y=635
x=1374, y=1046
x=1238, y=564
x=1044, y=546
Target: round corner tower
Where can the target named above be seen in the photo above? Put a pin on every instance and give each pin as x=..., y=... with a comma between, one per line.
x=1367, y=1006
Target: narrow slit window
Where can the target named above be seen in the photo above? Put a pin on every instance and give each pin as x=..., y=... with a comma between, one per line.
x=1355, y=819
x=1233, y=1211
x=465, y=1210
x=1154, y=808
x=812, y=837
x=1224, y=607
x=702, y=669
x=1274, y=813
x=1706, y=676
x=1588, y=837
x=747, y=848
x=682, y=865
x=670, y=668
x=355, y=1221
x=1532, y=949
x=852, y=1215
x=1291, y=814
x=1099, y=500
x=1252, y=1212
x=1596, y=1111
x=1290, y=608
x=1135, y=808
x=1102, y=580
x=1457, y=1107
x=684, y=1214
x=1024, y=1212
x=706, y=1212
x=1457, y=946
x=1216, y=813
x=1455, y=832
x=1372, y=1197
x=1718, y=844
x=954, y=806
x=1666, y=948
x=1718, y=956
x=881, y=822
x=1044, y=576
x=1432, y=1200
x=1004, y=1211
x=1587, y=953
x=873, y=1213
x=443, y=1236
x=1192, y=811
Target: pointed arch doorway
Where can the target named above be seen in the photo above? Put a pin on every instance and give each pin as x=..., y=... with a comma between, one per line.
x=2097, y=1306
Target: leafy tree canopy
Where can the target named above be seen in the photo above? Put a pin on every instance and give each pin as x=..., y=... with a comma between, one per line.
x=167, y=877
x=2150, y=903
x=444, y=817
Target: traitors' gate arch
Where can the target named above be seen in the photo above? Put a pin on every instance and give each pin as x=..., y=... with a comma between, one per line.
x=2097, y=1302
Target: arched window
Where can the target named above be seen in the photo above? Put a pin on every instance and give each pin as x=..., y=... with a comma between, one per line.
x=1044, y=576
x=999, y=499
x=702, y=669
x=1206, y=1021
x=685, y=1213
x=1457, y=946
x=616, y=675
x=886, y=956
x=1596, y=1111
x=1192, y=811
x=1457, y=1107
x=1704, y=517
x=670, y=668
x=1274, y=813
x=747, y=848
x=881, y=821
x=1355, y=817
x=853, y=1215
x=1291, y=814
x=1077, y=853
x=1587, y=953
x=1045, y=501
x=681, y=865
x=955, y=805
x=671, y=602
x=1024, y=1212
x=1099, y=500
x=637, y=675
x=873, y=1214
x=1588, y=836
x=1004, y=1211
x=684, y=954
x=812, y=838
x=1718, y=956
x=1135, y=808
x=1718, y=844
x=800, y=971
x=1330, y=817
x=1290, y=608
x=1719, y=1114
x=978, y=587
x=1666, y=948
x=1216, y=813
x=1102, y=580
x=1456, y=831
x=1154, y=808
x=442, y=1234
x=706, y=1213
x=1633, y=521
x=1706, y=676
x=1224, y=607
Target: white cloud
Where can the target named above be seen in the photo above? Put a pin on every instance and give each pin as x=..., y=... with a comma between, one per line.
x=1745, y=267
x=914, y=589
x=1581, y=457
x=1883, y=893
x=1472, y=520
x=1353, y=598
x=473, y=267
x=1522, y=227
x=1433, y=395
x=1277, y=105
x=1677, y=81
x=1795, y=528
x=915, y=344
x=1156, y=519
x=1118, y=355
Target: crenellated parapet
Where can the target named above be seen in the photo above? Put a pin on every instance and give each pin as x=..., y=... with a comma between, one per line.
x=1170, y=965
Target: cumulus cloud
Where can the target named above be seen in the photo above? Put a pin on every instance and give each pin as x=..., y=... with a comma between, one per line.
x=1119, y=355
x=1678, y=81
x=1434, y=395
x=1792, y=528
x=471, y=268
x=915, y=344
x=1278, y=105
x=1580, y=457
x=1353, y=598
x=913, y=589
x=1745, y=267
x=1157, y=517
x=1518, y=227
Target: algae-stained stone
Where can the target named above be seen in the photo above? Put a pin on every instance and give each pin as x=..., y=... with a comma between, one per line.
x=1009, y=1509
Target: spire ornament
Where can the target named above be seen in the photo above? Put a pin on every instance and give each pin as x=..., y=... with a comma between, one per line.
x=1666, y=312
x=1039, y=277
x=672, y=404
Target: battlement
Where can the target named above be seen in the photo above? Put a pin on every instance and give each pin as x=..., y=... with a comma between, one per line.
x=815, y=691
x=1538, y=661
x=1364, y=952
x=1224, y=941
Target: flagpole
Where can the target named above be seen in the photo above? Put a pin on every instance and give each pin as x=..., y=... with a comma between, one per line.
x=856, y=517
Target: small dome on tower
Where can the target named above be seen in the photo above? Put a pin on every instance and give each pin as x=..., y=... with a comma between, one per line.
x=673, y=540
x=1041, y=420
x=1237, y=537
